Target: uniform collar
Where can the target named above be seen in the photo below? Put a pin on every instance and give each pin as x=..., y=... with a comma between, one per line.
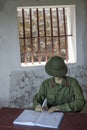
x=64, y=83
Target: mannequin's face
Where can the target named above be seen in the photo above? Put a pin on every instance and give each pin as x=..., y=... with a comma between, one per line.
x=58, y=80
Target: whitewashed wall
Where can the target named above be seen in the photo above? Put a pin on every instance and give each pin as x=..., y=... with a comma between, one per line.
x=18, y=84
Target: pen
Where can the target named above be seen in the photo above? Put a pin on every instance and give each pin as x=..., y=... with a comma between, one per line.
x=44, y=105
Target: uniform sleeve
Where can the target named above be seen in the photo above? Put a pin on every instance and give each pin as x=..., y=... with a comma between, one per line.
x=40, y=96
x=78, y=103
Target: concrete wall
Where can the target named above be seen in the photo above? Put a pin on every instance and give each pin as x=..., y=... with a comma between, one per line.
x=18, y=84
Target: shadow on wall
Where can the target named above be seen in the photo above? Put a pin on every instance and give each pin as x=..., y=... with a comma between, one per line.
x=24, y=85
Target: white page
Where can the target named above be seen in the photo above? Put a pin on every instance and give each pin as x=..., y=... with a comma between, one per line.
x=27, y=117
x=51, y=120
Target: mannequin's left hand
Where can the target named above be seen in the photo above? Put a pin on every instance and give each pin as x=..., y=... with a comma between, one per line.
x=54, y=108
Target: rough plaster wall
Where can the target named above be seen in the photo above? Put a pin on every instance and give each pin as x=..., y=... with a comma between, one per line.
x=25, y=84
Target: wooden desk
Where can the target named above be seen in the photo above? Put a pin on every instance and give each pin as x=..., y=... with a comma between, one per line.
x=71, y=121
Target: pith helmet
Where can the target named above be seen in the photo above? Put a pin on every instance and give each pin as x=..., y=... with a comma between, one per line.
x=56, y=67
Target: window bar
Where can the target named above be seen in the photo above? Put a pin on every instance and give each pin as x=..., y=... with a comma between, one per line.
x=23, y=19
x=50, y=36
x=51, y=31
x=65, y=34
x=39, y=55
x=57, y=12
x=32, y=54
x=45, y=34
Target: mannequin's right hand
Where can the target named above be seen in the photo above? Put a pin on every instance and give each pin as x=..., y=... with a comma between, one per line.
x=38, y=108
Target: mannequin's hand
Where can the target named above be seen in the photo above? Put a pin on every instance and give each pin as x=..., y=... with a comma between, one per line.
x=54, y=108
x=38, y=108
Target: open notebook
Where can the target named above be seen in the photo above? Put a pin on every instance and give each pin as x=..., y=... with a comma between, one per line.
x=43, y=119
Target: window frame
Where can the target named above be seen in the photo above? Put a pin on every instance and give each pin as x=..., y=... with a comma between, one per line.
x=73, y=34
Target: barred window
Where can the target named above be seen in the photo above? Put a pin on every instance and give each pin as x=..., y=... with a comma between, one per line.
x=45, y=32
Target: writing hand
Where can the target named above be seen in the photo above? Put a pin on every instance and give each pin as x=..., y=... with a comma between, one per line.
x=38, y=108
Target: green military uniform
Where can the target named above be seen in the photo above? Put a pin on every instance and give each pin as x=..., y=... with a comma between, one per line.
x=67, y=96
